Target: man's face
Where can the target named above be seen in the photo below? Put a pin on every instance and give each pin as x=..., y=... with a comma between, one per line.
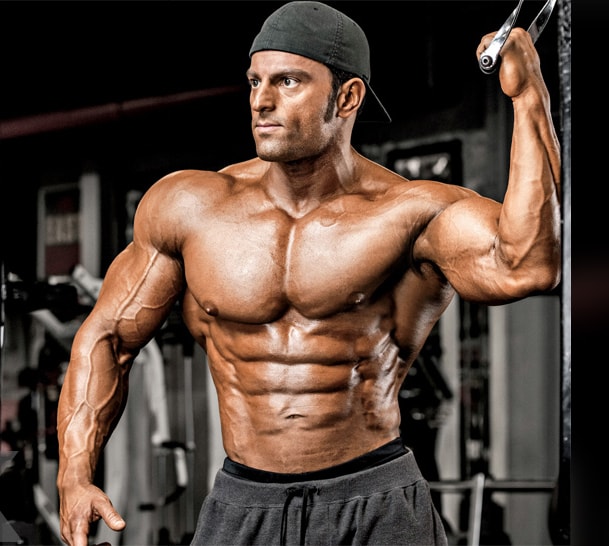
x=289, y=97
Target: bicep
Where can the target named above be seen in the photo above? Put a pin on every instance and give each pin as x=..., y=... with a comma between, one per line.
x=461, y=241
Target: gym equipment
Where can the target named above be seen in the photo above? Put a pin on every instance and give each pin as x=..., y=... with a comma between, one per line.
x=59, y=309
x=489, y=60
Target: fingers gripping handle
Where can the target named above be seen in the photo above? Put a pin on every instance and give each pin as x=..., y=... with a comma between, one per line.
x=490, y=59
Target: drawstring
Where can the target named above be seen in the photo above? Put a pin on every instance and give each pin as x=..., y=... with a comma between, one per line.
x=290, y=493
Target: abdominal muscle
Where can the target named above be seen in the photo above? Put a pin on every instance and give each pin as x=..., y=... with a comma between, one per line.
x=297, y=395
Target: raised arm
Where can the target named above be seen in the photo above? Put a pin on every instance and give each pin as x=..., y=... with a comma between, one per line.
x=137, y=294
x=492, y=252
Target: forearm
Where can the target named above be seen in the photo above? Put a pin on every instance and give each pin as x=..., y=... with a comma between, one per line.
x=530, y=224
x=91, y=402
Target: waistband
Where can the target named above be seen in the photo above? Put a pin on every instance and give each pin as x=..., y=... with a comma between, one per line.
x=380, y=455
x=399, y=471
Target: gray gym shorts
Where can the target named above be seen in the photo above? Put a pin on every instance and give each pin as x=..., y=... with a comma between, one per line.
x=389, y=505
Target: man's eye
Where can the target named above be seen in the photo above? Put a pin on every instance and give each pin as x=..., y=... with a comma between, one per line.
x=254, y=82
x=289, y=82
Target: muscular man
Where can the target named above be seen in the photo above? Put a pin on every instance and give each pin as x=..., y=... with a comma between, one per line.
x=312, y=277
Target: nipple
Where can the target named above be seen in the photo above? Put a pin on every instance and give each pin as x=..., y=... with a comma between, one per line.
x=210, y=309
x=356, y=298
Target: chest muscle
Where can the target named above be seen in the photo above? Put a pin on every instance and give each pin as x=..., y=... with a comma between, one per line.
x=255, y=269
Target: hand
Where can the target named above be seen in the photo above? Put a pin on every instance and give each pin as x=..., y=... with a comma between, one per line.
x=519, y=67
x=81, y=506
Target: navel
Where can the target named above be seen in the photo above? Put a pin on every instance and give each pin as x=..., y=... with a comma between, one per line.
x=327, y=221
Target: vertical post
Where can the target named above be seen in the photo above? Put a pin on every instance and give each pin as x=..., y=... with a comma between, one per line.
x=560, y=527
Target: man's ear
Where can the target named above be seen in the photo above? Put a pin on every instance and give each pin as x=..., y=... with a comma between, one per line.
x=351, y=97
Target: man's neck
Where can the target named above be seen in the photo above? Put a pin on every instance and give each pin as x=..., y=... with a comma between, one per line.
x=301, y=186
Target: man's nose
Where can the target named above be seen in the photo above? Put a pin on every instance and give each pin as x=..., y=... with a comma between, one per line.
x=261, y=98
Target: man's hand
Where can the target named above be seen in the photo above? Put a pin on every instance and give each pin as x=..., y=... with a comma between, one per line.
x=81, y=506
x=520, y=65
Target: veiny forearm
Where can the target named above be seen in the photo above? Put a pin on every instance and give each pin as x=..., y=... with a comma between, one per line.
x=91, y=401
x=139, y=290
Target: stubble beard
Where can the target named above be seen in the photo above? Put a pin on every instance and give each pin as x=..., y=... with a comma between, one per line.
x=283, y=151
x=289, y=153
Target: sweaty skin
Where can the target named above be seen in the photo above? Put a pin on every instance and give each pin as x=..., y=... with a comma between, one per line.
x=310, y=275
